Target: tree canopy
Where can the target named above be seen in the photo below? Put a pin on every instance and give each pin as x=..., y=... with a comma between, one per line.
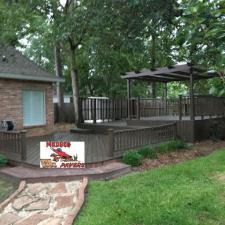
x=99, y=40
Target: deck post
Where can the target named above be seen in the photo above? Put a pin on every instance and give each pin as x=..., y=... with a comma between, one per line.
x=23, y=145
x=121, y=108
x=166, y=93
x=192, y=105
x=114, y=109
x=138, y=107
x=192, y=99
x=111, y=142
x=81, y=119
x=94, y=110
x=180, y=107
x=128, y=98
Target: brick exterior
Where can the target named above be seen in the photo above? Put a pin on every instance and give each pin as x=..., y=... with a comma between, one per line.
x=12, y=109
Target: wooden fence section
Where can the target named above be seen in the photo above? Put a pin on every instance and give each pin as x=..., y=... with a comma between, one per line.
x=209, y=106
x=122, y=140
x=13, y=144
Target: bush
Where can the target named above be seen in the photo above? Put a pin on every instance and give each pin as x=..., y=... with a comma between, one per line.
x=217, y=131
x=148, y=152
x=3, y=160
x=170, y=146
x=132, y=158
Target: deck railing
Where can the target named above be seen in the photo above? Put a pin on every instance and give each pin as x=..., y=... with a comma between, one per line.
x=103, y=110
x=209, y=106
x=94, y=109
x=204, y=106
x=122, y=140
x=13, y=144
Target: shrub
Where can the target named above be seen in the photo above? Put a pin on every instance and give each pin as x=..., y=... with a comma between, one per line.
x=148, y=152
x=132, y=158
x=217, y=131
x=3, y=160
x=177, y=144
x=170, y=146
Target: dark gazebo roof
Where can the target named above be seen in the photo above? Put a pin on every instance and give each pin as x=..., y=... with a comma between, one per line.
x=171, y=73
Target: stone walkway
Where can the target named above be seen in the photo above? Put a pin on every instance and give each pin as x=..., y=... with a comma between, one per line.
x=42, y=204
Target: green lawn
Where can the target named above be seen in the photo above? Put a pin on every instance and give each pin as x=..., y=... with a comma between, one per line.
x=7, y=187
x=183, y=194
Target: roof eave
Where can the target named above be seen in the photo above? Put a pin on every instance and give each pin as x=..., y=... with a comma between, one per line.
x=30, y=78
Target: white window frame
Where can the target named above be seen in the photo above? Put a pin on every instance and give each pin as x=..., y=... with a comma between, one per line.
x=44, y=108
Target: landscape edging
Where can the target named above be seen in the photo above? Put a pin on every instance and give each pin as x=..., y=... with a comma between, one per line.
x=79, y=203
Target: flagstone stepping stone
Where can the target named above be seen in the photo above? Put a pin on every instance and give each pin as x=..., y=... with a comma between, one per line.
x=42, y=204
x=35, y=188
x=25, y=200
x=53, y=221
x=9, y=218
x=59, y=188
x=47, y=203
x=64, y=201
x=33, y=219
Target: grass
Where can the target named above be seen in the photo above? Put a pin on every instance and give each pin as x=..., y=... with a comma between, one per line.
x=7, y=187
x=182, y=194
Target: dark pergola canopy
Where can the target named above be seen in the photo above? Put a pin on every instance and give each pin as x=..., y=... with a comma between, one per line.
x=171, y=73
x=182, y=72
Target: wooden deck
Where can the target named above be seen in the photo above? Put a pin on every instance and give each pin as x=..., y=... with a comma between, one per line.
x=96, y=146
x=176, y=118
x=111, y=139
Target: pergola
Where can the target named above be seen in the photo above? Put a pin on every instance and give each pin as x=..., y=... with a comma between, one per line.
x=183, y=72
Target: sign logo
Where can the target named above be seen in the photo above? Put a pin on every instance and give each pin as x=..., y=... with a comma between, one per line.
x=62, y=154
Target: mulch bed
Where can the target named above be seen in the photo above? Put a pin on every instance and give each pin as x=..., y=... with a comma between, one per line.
x=198, y=149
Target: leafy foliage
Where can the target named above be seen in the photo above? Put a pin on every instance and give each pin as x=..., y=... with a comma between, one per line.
x=3, y=160
x=173, y=145
x=148, y=152
x=112, y=37
x=132, y=158
x=217, y=131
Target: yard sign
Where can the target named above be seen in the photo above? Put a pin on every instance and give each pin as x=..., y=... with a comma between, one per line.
x=62, y=154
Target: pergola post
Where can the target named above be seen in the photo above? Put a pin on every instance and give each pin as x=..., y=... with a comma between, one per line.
x=192, y=105
x=192, y=99
x=165, y=96
x=128, y=98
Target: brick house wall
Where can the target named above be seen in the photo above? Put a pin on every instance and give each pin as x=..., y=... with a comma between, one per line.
x=11, y=106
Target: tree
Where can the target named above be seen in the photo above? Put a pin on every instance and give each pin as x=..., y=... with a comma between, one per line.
x=200, y=38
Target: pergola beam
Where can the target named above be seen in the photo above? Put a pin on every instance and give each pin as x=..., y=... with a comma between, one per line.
x=163, y=70
x=170, y=74
x=155, y=79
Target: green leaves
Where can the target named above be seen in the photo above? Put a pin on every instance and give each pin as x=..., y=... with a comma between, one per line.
x=111, y=37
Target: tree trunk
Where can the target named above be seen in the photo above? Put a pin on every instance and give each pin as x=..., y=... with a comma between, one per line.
x=59, y=87
x=74, y=79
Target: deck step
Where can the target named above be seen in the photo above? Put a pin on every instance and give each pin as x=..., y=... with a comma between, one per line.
x=104, y=172
x=81, y=131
